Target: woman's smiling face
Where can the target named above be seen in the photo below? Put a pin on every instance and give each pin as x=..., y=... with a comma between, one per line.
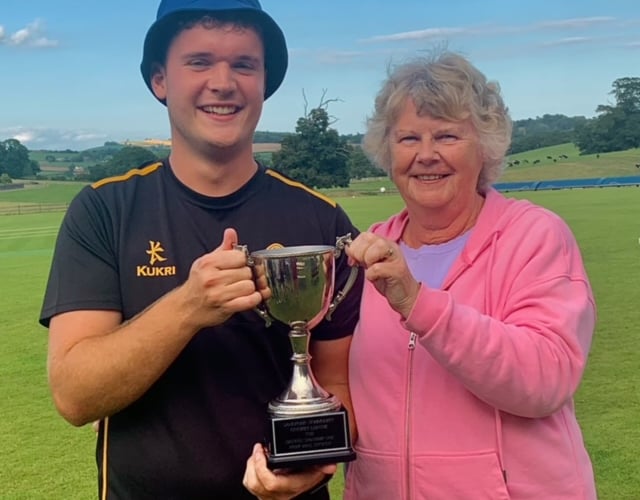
x=435, y=163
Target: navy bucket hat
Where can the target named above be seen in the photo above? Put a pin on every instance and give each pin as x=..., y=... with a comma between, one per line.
x=163, y=29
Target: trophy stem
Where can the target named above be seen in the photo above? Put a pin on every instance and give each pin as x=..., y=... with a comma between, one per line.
x=304, y=395
x=299, y=338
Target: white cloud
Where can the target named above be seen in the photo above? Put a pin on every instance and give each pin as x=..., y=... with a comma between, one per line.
x=26, y=136
x=46, y=138
x=32, y=35
x=19, y=37
x=44, y=43
x=572, y=40
x=578, y=22
x=453, y=32
x=426, y=34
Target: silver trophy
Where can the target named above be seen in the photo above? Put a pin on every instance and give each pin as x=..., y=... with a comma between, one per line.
x=307, y=424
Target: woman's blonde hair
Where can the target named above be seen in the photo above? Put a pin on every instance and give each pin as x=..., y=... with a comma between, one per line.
x=444, y=85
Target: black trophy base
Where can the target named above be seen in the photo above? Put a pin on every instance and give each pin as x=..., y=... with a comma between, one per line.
x=303, y=441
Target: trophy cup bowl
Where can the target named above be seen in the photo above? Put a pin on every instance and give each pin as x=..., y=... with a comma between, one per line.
x=307, y=424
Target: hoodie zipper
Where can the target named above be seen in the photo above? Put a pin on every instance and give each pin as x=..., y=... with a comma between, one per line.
x=411, y=347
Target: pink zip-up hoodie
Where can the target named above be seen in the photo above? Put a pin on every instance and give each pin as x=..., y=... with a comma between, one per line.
x=472, y=396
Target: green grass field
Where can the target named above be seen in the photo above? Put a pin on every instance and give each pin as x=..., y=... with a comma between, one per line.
x=42, y=192
x=42, y=457
x=552, y=166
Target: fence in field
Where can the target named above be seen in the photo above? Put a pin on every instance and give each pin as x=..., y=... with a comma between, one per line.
x=32, y=208
x=569, y=183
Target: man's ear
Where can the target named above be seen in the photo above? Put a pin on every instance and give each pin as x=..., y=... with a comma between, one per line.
x=159, y=82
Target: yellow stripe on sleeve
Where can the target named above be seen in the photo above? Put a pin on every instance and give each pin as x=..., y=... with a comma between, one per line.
x=119, y=178
x=290, y=182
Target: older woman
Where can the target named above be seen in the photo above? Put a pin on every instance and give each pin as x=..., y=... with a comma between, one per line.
x=477, y=315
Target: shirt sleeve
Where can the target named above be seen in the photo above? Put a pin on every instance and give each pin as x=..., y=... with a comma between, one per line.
x=83, y=274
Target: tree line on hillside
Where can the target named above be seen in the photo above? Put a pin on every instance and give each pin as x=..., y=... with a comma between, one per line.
x=540, y=132
x=319, y=156
x=616, y=127
x=267, y=137
x=15, y=162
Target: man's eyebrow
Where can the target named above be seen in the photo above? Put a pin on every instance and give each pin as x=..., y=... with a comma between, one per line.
x=190, y=55
x=248, y=57
x=212, y=55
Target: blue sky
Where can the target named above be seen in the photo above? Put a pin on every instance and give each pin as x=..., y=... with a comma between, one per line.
x=69, y=74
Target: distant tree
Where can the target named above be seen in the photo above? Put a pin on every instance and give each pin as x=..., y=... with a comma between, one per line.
x=97, y=172
x=315, y=155
x=353, y=138
x=360, y=166
x=125, y=159
x=617, y=126
x=269, y=137
x=160, y=151
x=50, y=158
x=35, y=166
x=102, y=153
x=543, y=131
x=626, y=92
x=593, y=136
x=266, y=158
x=14, y=159
x=130, y=157
x=5, y=179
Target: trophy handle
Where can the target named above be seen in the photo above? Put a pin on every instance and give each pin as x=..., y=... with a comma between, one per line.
x=341, y=243
x=260, y=309
x=343, y=293
x=264, y=315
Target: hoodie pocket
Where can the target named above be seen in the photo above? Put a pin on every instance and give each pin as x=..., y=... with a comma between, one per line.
x=458, y=477
x=374, y=476
x=464, y=476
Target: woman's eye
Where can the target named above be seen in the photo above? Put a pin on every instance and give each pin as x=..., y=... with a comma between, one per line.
x=408, y=138
x=446, y=137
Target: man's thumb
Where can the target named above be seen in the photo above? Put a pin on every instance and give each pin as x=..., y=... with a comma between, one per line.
x=229, y=239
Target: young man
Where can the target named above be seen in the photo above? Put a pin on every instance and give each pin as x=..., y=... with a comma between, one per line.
x=150, y=305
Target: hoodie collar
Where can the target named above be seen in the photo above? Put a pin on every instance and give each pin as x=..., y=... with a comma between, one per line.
x=490, y=222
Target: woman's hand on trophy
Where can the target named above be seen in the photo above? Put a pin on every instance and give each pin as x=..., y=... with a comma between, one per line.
x=279, y=484
x=386, y=268
x=220, y=283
